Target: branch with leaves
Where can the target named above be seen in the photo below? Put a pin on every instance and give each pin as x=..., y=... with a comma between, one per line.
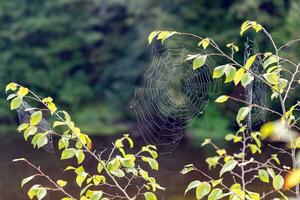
x=241, y=165
x=118, y=170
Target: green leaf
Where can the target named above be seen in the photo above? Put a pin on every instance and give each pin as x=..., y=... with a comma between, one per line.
x=58, y=123
x=219, y=71
x=202, y=190
x=269, y=61
x=263, y=176
x=94, y=195
x=222, y=99
x=254, y=196
x=23, y=127
x=275, y=158
x=68, y=153
x=117, y=172
x=33, y=191
x=26, y=180
x=242, y=114
x=84, y=189
x=150, y=196
x=271, y=172
x=80, y=178
x=128, y=161
x=212, y=161
x=254, y=148
x=100, y=166
x=271, y=78
x=199, y=62
x=216, y=182
x=192, y=185
x=80, y=156
x=246, y=79
x=15, y=103
x=230, y=165
x=187, y=168
x=152, y=162
x=35, y=118
x=278, y=182
x=39, y=140
x=215, y=194
x=31, y=130
x=230, y=72
x=41, y=193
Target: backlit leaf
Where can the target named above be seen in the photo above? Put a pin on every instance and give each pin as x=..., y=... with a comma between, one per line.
x=202, y=190
x=199, y=62
x=230, y=165
x=221, y=99
x=263, y=176
x=15, y=103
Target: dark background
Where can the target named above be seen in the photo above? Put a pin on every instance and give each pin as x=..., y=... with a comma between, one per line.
x=88, y=55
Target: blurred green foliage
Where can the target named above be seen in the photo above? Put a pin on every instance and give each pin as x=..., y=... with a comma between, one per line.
x=212, y=124
x=89, y=54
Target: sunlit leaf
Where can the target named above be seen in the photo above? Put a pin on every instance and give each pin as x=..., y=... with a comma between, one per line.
x=222, y=99
x=242, y=114
x=204, y=43
x=230, y=165
x=199, y=62
x=26, y=180
x=238, y=75
x=35, y=118
x=150, y=196
x=278, y=182
x=202, y=190
x=23, y=91
x=246, y=79
x=68, y=153
x=15, y=103
x=61, y=183
x=263, y=176
x=192, y=185
x=249, y=62
x=215, y=194
x=152, y=35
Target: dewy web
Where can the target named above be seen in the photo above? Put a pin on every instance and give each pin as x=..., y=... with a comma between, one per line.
x=170, y=94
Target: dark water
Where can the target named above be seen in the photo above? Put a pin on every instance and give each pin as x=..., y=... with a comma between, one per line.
x=11, y=173
x=168, y=176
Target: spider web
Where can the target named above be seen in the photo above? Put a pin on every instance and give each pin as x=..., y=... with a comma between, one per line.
x=255, y=92
x=171, y=94
x=24, y=113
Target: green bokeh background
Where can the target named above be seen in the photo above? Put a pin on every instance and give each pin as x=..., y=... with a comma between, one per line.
x=88, y=54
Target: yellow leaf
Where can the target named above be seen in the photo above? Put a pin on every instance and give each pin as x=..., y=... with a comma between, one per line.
x=221, y=99
x=23, y=91
x=152, y=35
x=250, y=24
x=11, y=86
x=204, y=43
x=238, y=76
x=221, y=152
x=233, y=47
x=61, y=183
x=250, y=62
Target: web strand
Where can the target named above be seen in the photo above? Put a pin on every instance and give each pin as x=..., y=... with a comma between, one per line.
x=171, y=94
